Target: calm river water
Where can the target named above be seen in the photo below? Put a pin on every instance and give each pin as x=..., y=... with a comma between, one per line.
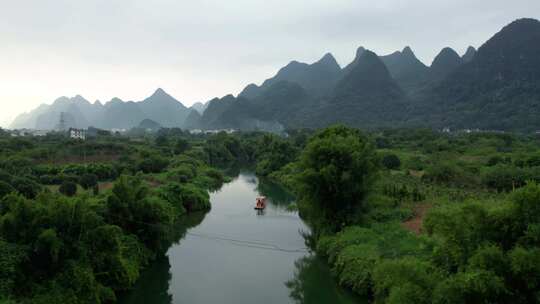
x=233, y=254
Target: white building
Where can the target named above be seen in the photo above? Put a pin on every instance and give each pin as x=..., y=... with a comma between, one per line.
x=77, y=134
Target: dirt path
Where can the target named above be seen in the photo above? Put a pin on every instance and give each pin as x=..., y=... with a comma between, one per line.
x=415, y=223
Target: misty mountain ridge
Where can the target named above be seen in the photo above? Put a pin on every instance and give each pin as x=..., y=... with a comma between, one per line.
x=114, y=114
x=494, y=87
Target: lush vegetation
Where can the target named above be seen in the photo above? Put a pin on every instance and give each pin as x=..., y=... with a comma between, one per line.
x=453, y=220
x=80, y=220
x=400, y=215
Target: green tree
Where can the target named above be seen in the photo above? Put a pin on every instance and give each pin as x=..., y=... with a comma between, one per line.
x=337, y=169
x=391, y=161
x=88, y=181
x=5, y=189
x=132, y=209
x=26, y=186
x=68, y=188
x=181, y=146
x=153, y=164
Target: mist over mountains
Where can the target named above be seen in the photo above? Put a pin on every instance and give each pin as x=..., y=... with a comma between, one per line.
x=114, y=114
x=496, y=87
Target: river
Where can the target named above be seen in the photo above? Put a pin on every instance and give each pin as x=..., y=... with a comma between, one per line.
x=234, y=254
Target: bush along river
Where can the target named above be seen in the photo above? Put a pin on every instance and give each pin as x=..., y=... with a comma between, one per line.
x=235, y=254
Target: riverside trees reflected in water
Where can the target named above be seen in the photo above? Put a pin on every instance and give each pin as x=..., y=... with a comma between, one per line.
x=233, y=255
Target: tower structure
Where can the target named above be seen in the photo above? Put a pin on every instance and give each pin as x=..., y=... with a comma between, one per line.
x=62, y=122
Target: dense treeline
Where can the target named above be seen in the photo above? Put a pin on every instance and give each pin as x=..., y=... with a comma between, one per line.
x=400, y=215
x=73, y=231
x=477, y=243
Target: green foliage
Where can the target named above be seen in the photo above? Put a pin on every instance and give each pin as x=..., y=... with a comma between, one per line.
x=391, y=161
x=130, y=207
x=153, y=164
x=26, y=186
x=11, y=255
x=88, y=181
x=273, y=153
x=181, y=146
x=475, y=286
x=442, y=173
x=182, y=174
x=68, y=188
x=404, y=281
x=186, y=197
x=5, y=189
x=356, y=253
x=336, y=170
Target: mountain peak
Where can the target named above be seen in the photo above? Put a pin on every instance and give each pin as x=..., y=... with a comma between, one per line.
x=61, y=100
x=407, y=51
x=469, y=54
x=360, y=51
x=160, y=92
x=368, y=71
x=446, y=56
x=448, y=52
x=370, y=55
x=328, y=59
x=523, y=22
x=445, y=63
x=80, y=100
x=250, y=91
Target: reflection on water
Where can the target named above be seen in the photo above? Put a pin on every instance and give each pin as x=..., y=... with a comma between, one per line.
x=235, y=254
x=278, y=195
x=153, y=284
x=313, y=284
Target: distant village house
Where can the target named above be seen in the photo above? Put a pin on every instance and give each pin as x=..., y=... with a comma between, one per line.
x=77, y=134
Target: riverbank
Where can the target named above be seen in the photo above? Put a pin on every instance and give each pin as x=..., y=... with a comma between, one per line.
x=233, y=254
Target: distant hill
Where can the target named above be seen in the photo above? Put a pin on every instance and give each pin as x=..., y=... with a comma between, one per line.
x=317, y=79
x=278, y=105
x=444, y=63
x=80, y=113
x=409, y=72
x=48, y=116
x=164, y=109
x=148, y=124
x=498, y=89
x=199, y=107
x=469, y=54
x=193, y=120
x=367, y=96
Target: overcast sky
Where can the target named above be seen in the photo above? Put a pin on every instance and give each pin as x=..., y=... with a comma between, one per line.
x=200, y=49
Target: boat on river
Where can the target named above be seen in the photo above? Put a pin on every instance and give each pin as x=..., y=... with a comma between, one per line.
x=260, y=203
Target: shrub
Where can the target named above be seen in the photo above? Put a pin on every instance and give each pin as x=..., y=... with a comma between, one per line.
x=475, y=286
x=412, y=279
x=354, y=267
x=153, y=164
x=441, y=173
x=68, y=188
x=88, y=181
x=391, y=162
x=504, y=177
x=194, y=198
x=182, y=174
x=5, y=189
x=26, y=187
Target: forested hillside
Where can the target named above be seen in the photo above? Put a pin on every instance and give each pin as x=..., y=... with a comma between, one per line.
x=494, y=88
